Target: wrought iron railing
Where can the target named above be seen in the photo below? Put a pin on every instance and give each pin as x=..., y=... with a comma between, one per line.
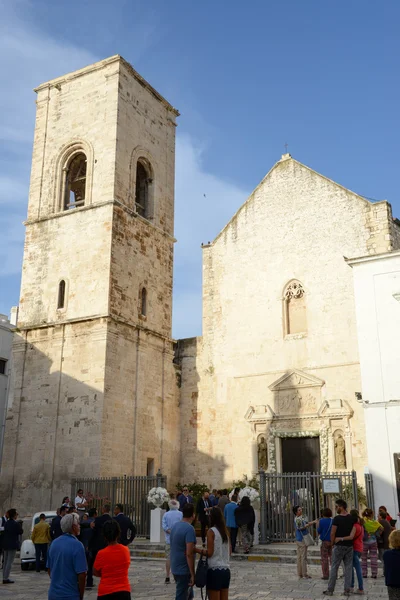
x=129, y=490
x=280, y=492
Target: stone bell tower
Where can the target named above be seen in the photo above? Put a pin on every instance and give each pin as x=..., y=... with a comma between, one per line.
x=95, y=391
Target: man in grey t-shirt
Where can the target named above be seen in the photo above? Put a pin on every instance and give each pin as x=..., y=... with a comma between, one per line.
x=183, y=542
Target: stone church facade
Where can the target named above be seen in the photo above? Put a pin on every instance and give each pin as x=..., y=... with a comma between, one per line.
x=100, y=387
x=277, y=366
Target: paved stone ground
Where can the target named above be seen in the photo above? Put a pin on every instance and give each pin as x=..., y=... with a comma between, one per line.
x=250, y=581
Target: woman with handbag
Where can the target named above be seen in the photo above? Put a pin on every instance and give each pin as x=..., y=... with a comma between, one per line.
x=372, y=530
x=218, y=552
x=303, y=540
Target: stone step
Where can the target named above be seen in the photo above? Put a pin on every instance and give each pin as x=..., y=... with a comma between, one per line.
x=151, y=554
x=272, y=553
x=279, y=549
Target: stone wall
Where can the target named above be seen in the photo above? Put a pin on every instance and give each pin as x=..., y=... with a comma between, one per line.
x=146, y=128
x=141, y=417
x=141, y=256
x=53, y=429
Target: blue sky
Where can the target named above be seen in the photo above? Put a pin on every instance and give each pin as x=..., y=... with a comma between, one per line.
x=246, y=77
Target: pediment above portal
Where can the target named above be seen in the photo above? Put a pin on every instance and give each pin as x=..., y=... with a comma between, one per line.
x=294, y=379
x=335, y=408
x=259, y=414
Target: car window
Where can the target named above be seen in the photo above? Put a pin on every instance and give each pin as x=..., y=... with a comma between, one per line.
x=48, y=519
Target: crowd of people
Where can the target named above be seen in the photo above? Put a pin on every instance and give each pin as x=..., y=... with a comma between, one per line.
x=79, y=545
x=347, y=538
x=221, y=518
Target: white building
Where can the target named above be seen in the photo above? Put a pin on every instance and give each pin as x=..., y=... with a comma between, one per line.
x=377, y=296
x=6, y=340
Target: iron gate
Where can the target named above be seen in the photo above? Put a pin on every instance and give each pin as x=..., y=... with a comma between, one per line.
x=131, y=491
x=280, y=492
x=369, y=489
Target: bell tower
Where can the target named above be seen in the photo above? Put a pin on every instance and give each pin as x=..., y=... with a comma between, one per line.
x=95, y=391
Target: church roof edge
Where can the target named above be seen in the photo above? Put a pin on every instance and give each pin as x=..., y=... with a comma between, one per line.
x=100, y=65
x=287, y=158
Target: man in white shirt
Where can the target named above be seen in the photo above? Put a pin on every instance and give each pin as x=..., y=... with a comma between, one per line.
x=168, y=521
x=80, y=504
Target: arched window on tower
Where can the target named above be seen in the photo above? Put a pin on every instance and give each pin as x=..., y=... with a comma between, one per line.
x=143, y=302
x=143, y=181
x=294, y=305
x=75, y=182
x=61, y=294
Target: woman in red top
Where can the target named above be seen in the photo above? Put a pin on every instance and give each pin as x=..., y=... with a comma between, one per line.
x=357, y=535
x=112, y=565
x=388, y=517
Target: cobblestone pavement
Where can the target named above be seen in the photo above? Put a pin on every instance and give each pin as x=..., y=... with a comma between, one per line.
x=250, y=580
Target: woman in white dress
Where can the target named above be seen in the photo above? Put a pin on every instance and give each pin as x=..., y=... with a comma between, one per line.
x=218, y=552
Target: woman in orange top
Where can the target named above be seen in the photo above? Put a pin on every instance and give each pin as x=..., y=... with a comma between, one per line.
x=112, y=565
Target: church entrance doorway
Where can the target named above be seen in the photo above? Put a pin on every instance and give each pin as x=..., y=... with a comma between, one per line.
x=301, y=455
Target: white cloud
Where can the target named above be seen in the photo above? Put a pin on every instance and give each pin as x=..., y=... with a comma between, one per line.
x=204, y=203
x=29, y=57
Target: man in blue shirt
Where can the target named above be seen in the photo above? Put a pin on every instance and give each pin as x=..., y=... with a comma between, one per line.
x=168, y=521
x=66, y=562
x=183, y=542
x=229, y=515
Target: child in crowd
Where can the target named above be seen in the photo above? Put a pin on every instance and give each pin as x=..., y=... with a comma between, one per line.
x=324, y=531
x=391, y=559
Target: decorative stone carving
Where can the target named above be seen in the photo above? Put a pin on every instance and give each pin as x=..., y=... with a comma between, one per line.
x=307, y=403
x=324, y=448
x=296, y=379
x=289, y=403
x=340, y=452
x=294, y=402
x=294, y=290
x=262, y=454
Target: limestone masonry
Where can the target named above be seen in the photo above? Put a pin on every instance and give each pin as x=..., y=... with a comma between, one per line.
x=99, y=388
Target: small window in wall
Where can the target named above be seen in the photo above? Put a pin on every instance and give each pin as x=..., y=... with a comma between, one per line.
x=294, y=308
x=150, y=467
x=143, y=180
x=143, y=302
x=3, y=364
x=61, y=294
x=75, y=182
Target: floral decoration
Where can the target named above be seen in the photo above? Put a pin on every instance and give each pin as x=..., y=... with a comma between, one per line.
x=157, y=496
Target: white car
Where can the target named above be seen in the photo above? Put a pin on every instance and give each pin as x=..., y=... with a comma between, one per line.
x=27, y=553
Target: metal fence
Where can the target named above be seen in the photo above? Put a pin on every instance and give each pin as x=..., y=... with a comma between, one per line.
x=369, y=491
x=131, y=491
x=280, y=492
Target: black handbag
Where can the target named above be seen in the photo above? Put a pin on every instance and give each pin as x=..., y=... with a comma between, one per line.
x=200, y=578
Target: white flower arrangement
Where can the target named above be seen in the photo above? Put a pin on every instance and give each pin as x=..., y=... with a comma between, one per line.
x=157, y=496
x=251, y=493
